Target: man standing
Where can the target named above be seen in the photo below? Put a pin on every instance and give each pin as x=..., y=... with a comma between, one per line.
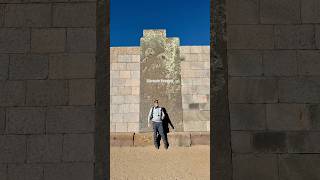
x=156, y=115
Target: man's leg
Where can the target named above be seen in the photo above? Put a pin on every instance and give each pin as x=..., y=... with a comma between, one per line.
x=163, y=136
x=155, y=135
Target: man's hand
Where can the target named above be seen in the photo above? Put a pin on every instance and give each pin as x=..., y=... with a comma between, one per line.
x=148, y=124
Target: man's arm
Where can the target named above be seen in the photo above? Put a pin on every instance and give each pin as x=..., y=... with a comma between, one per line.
x=162, y=114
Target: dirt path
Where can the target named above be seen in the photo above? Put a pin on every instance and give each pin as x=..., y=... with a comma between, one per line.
x=147, y=163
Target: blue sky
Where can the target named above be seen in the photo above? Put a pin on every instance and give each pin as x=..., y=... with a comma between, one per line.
x=187, y=19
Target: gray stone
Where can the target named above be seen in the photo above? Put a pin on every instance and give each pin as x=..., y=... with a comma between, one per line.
x=44, y=148
x=78, y=147
x=287, y=117
x=74, y=15
x=309, y=11
x=309, y=63
x=47, y=92
x=28, y=67
x=48, y=40
x=299, y=166
x=2, y=120
x=299, y=90
x=280, y=63
x=14, y=40
x=303, y=142
x=241, y=142
x=82, y=92
x=280, y=11
x=25, y=120
x=81, y=40
x=2, y=14
x=70, y=120
x=242, y=11
x=248, y=116
x=252, y=167
x=253, y=90
x=317, y=36
x=245, y=63
x=314, y=115
x=4, y=66
x=12, y=148
x=25, y=172
x=294, y=37
x=12, y=93
x=270, y=142
x=3, y=171
x=28, y=15
x=69, y=171
x=250, y=36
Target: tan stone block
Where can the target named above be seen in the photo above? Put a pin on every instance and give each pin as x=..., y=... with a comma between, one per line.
x=136, y=90
x=135, y=75
x=195, y=49
x=143, y=139
x=112, y=127
x=118, y=82
x=133, y=50
x=186, y=81
x=132, y=82
x=114, y=91
x=205, y=49
x=133, y=127
x=117, y=99
x=185, y=49
x=124, y=90
x=197, y=65
x=204, y=57
x=188, y=89
x=125, y=74
x=203, y=89
x=195, y=125
x=122, y=127
x=200, y=138
x=200, y=98
x=117, y=117
x=179, y=139
x=121, y=139
x=208, y=126
x=114, y=74
x=196, y=116
x=133, y=66
x=135, y=58
x=124, y=58
x=118, y=66
x=131, y=117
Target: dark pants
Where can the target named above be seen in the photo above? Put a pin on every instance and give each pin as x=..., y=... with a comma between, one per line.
x=158, y=128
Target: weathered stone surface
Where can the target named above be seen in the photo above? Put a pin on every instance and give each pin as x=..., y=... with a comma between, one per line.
x=47, y=92
x=71, y=66
x=309, y=63
x=294, y=37
x=200, y=138
x=274, y=142
x=78, y=147
x=12, y=149
x=48, y=40
x=280, y=11
x=241, y=142
x=248, y=116
x=69, y=171
x=25, y=120
x=195, y=125
x=44, y=148
x=250, y=166
x=28, y=15
x=303, y=142
x=179, y=139
x=14, y=40
x=70, y=119
x=121, y=139
x=299, y=90
x=28, y=67
x=250, y=36
x=3, y=171
x=2, y=120
x=280, y=63
x=314, y=115
x=12, y=93
x=253, y=90
x=133, y=127
x=287, y=117
x=309, y=11
x=196, y=115
x=245, y=63
x=143, y=139
x=299, y=166
x=25, y=171
x=82, y=92
x=4, y=66
x=122, y=127
x=242, y=11
x=81, y=40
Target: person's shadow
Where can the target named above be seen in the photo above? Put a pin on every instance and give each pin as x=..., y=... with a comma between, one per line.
x=165, y=123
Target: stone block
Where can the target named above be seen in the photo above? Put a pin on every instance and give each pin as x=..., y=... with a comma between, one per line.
x=14, y=40
x=135, y=90
x=78, y=147
x=47, y=92
x=2, y=14
x=299, y=90
x=270, y=142
x=112, y=127
x=241, y=142
x=28, y=15
x=133, y=66
x=125, y=74
x=71, y=66
x=179, y=139
x=25, y=120
x=122, y=126
x=308, y=63
x=251, y=166
x=250, y=36
x=118, y=66
x=3, y=171
x=124, y=90
x=195, y=49
x=4, y=66
x=124, y=58
x=81, y=40
x=70, y=120
x=245, y=63
x=203, y=90
x=82, y=91
x=303, y=142
x=280, y=63
x=143, y=139
x=133, y=127
x=299, y=166
x=253, y=90
x=25, y=171
x=121, y=139
x=135, y=58
x=205, y=50
x=287, y=117
x=200, y=138
x=12, y=148
x=131, y=99
x=12, y=93
x=280, y=11
x=243, y=11
x=28, y=67
x=74, y=14
x=294, y=37
x=204, y=106
x=48, y=40
x=117, y=99
x=131, y=117
x=195, y=125
x=196, y=116
x=44, y=148
x=2, y=120
x=314, y=115
x=69, y=171
x=248, y=116
x=185, y=49
x=309, y=11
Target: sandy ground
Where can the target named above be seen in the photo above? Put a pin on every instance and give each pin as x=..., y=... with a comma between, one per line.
x=148, y=163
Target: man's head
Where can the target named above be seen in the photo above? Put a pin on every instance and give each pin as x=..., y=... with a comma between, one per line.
x=156, y=102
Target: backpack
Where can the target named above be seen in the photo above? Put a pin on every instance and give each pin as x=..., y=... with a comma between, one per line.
x=152, y=112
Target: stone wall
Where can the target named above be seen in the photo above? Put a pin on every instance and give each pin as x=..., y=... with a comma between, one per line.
x=125, y=84
x=47, y=94
x=274, y=88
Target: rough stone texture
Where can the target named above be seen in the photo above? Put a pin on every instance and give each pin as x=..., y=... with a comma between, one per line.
x=48, y=40
x=314, y=115
x=309, y=63
x=2, y=120
x=82, y=92
x=309, y=11
x=14, y=40
x=303, y=142
x=245, y=63
x=78, y=147
x=241, y=142
x=248, y=116
x=81, y=40
x=280, y=63
x=12, y=148
x=25, y=171
x=243, y=11
x=12, y=93
x=69, y=171
x=4, y=67
x=272, y=142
